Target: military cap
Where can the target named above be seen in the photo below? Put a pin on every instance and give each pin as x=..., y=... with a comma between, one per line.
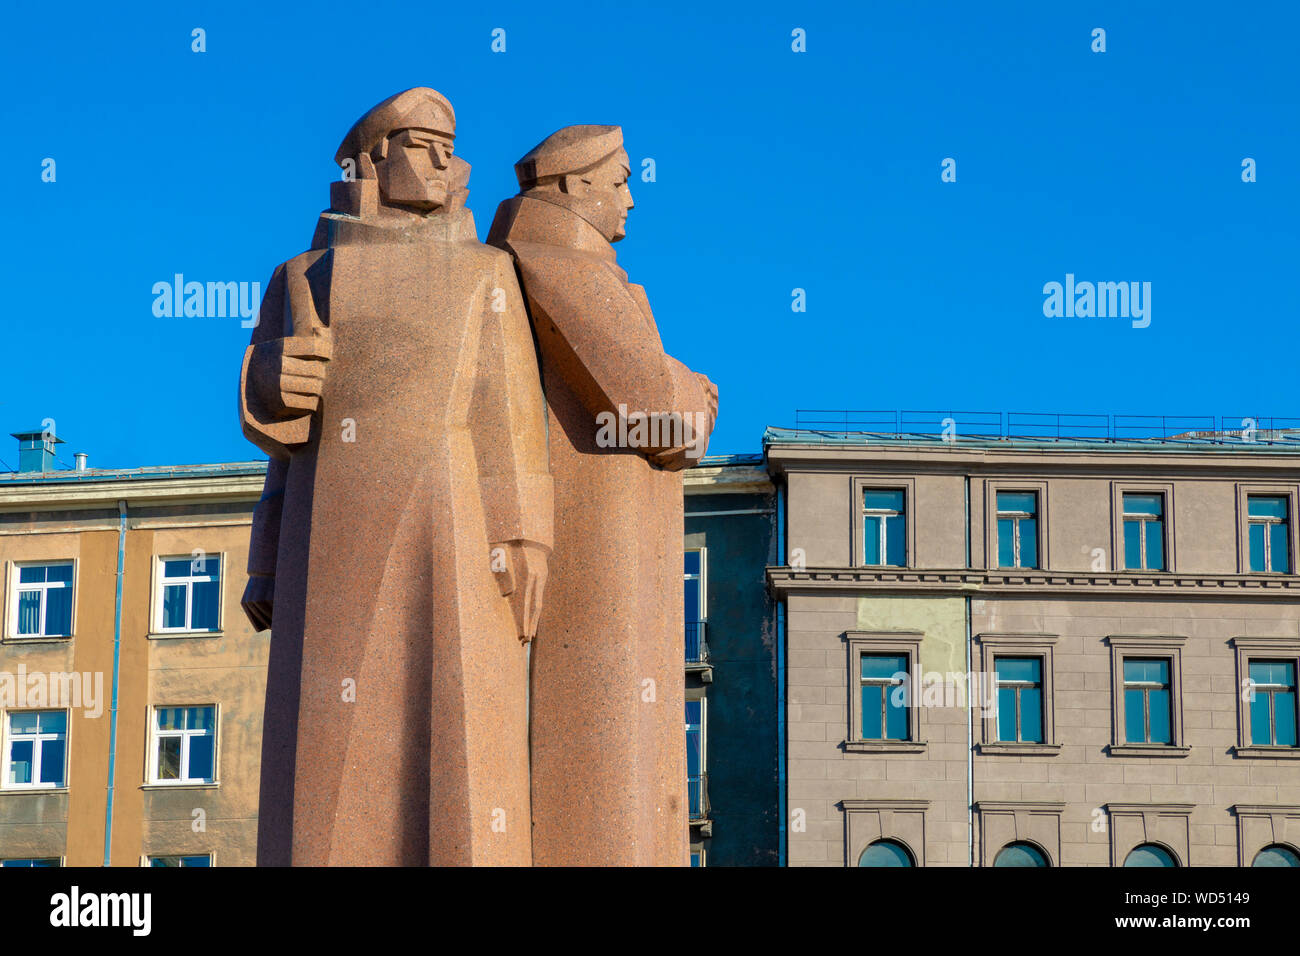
x=417, y=108
x=568, y=150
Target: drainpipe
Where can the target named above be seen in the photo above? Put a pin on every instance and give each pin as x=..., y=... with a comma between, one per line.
x=117, y=658
x=782, y=836
x=970, y=709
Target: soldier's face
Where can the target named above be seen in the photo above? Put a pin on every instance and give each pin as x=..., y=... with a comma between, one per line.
x=416, y=171
x=606, y=199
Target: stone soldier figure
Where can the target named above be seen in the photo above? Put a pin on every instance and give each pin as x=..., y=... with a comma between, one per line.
x=608, y=746
x=400, y=548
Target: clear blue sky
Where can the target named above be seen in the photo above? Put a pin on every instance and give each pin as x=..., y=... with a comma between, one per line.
x=775, y=170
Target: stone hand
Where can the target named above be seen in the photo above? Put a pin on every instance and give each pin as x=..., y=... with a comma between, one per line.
x=302, y=371
x=259, y=596
x=522, y=578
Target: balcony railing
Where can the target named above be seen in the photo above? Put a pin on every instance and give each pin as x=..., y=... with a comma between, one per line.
x=697, y=651
x=697, y=791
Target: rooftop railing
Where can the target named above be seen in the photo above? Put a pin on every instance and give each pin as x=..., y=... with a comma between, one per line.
x=1225, y=429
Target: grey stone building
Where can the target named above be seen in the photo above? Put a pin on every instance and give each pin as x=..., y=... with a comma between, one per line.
x=1028, y=651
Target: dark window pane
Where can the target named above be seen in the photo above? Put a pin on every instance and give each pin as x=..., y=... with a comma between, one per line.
x=1006, y=713
x=871, y=540
x=1158, y=704
x=1018, y=668
x=52, y=762
x=58, y=612
x=52, y=721
x=1019, y=854
x=692, y=590
x=1144, y=504
x=896, y=715
x=1155, y=545
x=20, y=761
x=692, y=562
x=196, y=861
x=1266, y=506
x=201, y=757
x=169, y=758
x=31, y=575
x=871, y=698
x=1132, y=545
x=29, y=612
x=885, y=853
x=1031, y=714
x=1279, y=548
x=178, y=568
x=1285, y=717
x=1026, y=501
x=171, y=718
x=883, y=666
x=1029, y=542
x=59, y=572
x=1134, y=725
x=174, y=605
x=895, y=541
x=1261, y=733
x=24, y=722
x=204, y=615
x=1006, y=543
x=1257, y=532
x=875, y=500
x=1276, y=856
x=1148, y=854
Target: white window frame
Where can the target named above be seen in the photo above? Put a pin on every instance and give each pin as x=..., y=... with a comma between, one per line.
x=1141, y=519
x=16, y=588
x=147, y=859
x=1267, y=523
x=156, y=735
x=704, y=746
x=7, y=739
x=162, y=582
x=884, y=514
x=1015, y=518
x=703, y=578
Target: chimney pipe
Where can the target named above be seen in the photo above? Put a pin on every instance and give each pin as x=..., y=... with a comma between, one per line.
x=80, y=459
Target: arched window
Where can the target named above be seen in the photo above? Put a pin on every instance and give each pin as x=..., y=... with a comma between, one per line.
x=1020, y=854
x=1148, y=854
x=1277, y=855
x=886, y=853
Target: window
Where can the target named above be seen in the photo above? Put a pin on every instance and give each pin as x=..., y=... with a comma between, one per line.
x=886, y=853
x=695, y=756
x=43, y=600
x=880, y=669
x=54, y=861
x=1275, y=855
x=1020, y=699
x=884, y=697
x=1147, y=711
x=696, y=649
x=1020, y=854
x=1017, y=529
x=1148, y=854
x=884, y=527
x=1144, y=532
x=184, y=745
x=190, y=590
x=697, y=856
x=200, y=860
x=35, y=749
x=1271, y=694
x=1268, y=533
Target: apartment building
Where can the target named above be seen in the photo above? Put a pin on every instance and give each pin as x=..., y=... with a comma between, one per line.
x=732, y=737
x=131, y=684
x=1040, y=651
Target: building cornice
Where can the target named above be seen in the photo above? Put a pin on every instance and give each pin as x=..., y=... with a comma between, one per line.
x=960, y=582
x=99, y=494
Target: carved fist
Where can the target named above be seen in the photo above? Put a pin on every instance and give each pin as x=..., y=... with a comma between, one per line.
x=259, y=596
x=302, y=371
x=523, y=579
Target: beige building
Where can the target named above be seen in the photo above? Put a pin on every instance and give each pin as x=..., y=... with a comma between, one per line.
x=1040, y=652
x=124, y=585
